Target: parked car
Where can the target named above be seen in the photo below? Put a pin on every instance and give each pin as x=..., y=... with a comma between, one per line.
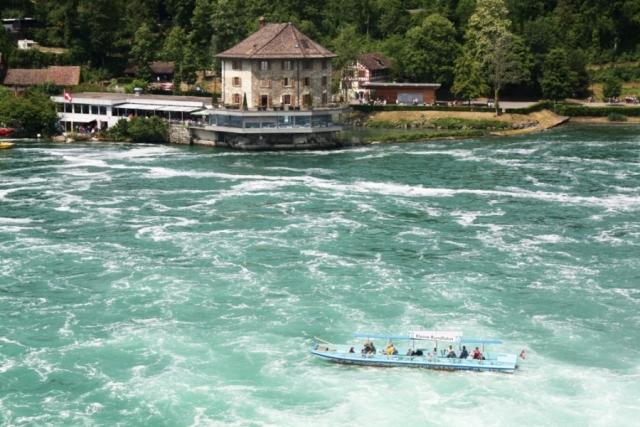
x=491, y=102
x=166, y=86
x=197, y=89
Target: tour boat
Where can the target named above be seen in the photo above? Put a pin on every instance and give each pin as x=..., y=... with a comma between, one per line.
x=6, y=144
x=424, y=349
x=6, y=131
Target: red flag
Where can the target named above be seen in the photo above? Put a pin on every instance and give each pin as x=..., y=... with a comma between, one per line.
x=522, y=355
x=67, y=96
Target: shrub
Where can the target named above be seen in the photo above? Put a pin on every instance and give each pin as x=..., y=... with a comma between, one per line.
x=89, y=87
x=153, y=129
x=120, y=131
x=616, y=117
x=371, y=108
x=136, y=83
x=140, y=129
x=582, y=111
x=538, y=106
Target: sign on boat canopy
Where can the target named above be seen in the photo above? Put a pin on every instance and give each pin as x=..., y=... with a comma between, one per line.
x=446, y=336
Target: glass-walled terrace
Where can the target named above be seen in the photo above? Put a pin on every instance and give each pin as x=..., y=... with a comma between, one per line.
x=281, y=121
x=82, y=109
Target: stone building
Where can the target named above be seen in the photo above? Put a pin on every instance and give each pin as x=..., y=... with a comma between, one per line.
x=277, y=66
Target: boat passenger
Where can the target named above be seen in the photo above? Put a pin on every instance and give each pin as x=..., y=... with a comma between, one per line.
x=435, y=353
x=366, y=349
x=351, y=350
x=477, y=355
x=391, y=349
x=464, y=353
x=372, y=348
x=451, y=353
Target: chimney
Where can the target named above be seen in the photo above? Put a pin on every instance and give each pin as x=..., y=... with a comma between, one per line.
x=261, y=19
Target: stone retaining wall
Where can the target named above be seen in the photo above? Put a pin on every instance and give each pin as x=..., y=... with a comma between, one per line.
x=178, y=134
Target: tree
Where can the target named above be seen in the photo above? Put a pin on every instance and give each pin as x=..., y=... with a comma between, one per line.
x=201, y=33
x=394, y=19
x=469, y=82
x=578, y=64
x=174, y=43
x=347, y=46
x=142, y=52
x=557, y=80
x=99, y=22
x=505, y=64
x=502, y=54
x=35, y=113
x=612, y=87
x=430, y=50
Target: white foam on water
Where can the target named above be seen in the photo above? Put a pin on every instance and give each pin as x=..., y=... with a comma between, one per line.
x=307, y=171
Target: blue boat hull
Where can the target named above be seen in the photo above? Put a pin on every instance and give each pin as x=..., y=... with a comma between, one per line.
x=506, y=364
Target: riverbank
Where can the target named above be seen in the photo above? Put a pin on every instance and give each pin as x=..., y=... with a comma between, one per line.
x=457, y=123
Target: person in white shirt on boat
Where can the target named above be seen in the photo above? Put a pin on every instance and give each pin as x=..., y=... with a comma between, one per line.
x=451, y=353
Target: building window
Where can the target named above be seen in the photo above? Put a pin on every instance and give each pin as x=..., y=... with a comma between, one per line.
x=324, y=99
x=324, y=64
x=287, y=82
x=286, y=99
x=307, y=81
x=237, y=81
x=94, y=109
x=103, y=110
x=265, y=82
x=307, y=64
x=362, y=74
x=236, y=98
x=236, y=64
x=324, y=80
x=306, y=99
x=265, y=65
x=286, y=65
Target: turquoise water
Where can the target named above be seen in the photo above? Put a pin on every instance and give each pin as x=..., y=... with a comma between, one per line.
x=173, y=285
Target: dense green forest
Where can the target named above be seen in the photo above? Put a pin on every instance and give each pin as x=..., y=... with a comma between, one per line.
x=471, y=46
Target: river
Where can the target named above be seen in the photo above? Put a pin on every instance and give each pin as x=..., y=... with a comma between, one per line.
x=183, y=285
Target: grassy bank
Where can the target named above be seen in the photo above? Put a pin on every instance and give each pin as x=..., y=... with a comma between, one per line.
x=424, y=136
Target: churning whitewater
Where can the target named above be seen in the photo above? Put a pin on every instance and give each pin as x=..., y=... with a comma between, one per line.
x=177, y=285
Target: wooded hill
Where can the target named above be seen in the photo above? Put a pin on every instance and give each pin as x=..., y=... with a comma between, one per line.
x=540, y=46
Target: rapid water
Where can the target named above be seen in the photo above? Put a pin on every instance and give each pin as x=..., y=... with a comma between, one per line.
x=176, y=285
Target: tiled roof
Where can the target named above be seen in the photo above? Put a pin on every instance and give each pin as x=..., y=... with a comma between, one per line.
x=277, y=41
x=374, y=61
x=61, y=76
x=64, y=76
x=156, y=67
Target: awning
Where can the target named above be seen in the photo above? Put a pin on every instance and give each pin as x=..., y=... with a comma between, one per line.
x=179, y=109
x=139, y=107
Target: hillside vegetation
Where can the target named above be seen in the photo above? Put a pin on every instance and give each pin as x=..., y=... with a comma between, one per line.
x=476, y=48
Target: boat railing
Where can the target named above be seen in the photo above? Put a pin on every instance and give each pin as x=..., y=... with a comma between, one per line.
x=438, y=359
